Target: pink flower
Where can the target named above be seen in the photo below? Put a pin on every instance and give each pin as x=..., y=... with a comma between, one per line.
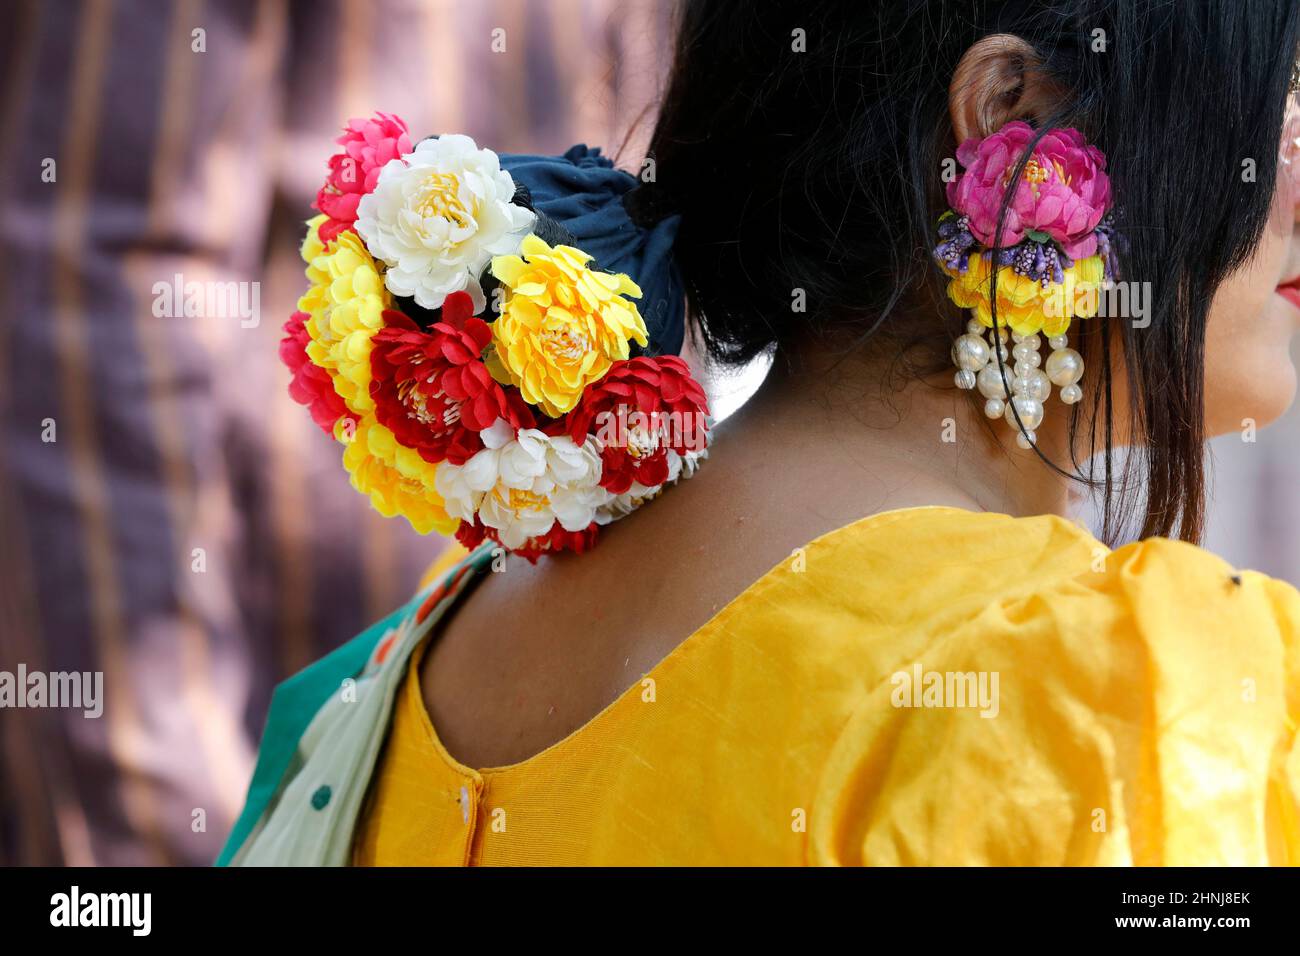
x=1064, y=190
x=367, y=145
x=310, y=385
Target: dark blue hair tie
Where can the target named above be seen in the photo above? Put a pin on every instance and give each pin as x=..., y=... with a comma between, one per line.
x=584, y=193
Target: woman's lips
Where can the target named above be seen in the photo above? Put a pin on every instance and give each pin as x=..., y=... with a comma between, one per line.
x=1291, y=292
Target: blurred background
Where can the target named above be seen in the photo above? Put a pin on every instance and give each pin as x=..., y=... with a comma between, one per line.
x=188, y=530
x=167, y=515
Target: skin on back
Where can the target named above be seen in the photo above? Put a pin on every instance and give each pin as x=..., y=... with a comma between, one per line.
x=533, y=653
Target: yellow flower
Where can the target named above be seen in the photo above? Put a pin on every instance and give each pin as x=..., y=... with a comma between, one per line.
x=562, y=325
x=311, y=243
x=1023, y=304
x=395, y=478
x=346, y=302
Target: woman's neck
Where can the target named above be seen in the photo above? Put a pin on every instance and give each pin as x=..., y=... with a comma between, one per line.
x=925, y=443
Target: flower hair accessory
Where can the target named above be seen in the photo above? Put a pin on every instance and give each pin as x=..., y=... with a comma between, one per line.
x=469, y=338
x=1055, y=252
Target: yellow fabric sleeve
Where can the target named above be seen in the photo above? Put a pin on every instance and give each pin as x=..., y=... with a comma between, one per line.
x=1146, y=714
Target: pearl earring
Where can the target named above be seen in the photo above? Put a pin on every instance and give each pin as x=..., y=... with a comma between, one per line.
x=1057, y=252
x=1018, y=388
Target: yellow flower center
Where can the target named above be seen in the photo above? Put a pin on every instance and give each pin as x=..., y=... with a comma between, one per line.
x=1036, y=173
x=409, y=486
x=416, y=402
x=566, y=344
x=517, y=499
x=439, y=196
x=641, y=442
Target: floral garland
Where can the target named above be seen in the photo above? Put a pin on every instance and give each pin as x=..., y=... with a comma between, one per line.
x=483, y=381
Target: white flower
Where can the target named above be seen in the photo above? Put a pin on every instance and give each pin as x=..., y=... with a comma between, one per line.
x=437, y=216
x=690, y=463
x=620, y=506
x=680, y=467
x=522, y=484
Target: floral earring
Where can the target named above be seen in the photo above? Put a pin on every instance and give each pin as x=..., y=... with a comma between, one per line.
x=1057, y=251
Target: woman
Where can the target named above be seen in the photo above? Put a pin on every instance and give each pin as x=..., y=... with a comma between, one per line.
x=862, y=633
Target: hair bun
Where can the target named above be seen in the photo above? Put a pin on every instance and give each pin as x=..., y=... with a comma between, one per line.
x=584, y=193
x=486, y=377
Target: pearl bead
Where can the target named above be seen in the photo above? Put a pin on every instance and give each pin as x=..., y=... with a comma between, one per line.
x=965, y=379
x=1029, y=409
x=1058, y=342
x=1025, y=368
x=975, y=327
x=1064, y=367
x=1071, y=394
x=971, y=353
x=1002, y=333
x=995, y=408
x=1017, y=337
x=1026, y=439
x=991, y=382
x=1024, y=352
x=1037, y=386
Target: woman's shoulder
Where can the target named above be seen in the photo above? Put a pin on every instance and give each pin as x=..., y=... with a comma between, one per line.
x=1130, y=706
x=939, y=571
x=1172, y=590
x=893, y=584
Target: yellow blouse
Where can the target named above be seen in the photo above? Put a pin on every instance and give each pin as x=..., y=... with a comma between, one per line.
x=926, y=686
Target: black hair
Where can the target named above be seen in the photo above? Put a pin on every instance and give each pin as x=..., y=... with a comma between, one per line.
x=802, y=143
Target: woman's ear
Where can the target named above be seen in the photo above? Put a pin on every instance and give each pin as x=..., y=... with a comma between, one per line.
x=999, y=79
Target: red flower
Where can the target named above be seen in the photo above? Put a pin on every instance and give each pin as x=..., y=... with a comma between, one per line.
x=311, y=385
x=472, y=534
x=432, y=390
x=643, y=408
x=367, y=145
x=557, y=540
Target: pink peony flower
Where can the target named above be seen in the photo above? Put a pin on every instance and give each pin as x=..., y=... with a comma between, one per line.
x=310, y=385
x=1064, y=190
x=367, y=145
